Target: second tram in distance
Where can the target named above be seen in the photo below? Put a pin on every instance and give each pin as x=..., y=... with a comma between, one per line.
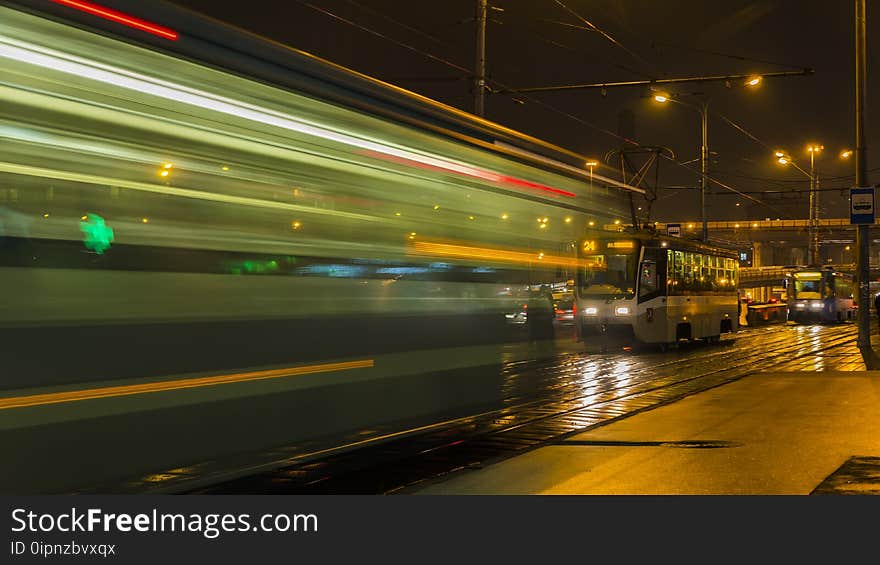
x=642, y=288
x=817, y=295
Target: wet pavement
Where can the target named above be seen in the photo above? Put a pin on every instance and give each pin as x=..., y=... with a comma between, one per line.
x=769, y=433
x=544, y=401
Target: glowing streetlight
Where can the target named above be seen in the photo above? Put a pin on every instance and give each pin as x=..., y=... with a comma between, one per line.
x=591, y=163
x=703, y=109
x=784, y=158
x=846, y=154
x=754, y=81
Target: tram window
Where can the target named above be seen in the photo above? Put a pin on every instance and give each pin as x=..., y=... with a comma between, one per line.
x=689, y=272
x=608, y=275
x=648, y=278
x=807, y=288
x=828, y=289
x=674, y=271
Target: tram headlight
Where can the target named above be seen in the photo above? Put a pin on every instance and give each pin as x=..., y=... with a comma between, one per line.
x=591, y=311
x=815, y=305
x=622, y=310
x=800, y=305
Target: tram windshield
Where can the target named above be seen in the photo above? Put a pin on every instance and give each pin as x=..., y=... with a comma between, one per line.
x=807, y=286
x=611, y=274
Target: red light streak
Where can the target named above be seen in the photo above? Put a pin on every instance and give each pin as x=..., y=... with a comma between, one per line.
x=529, y=184
x=476, y=173
x=119, y=17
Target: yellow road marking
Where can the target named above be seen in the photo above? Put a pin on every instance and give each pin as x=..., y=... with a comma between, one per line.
x=162, y=386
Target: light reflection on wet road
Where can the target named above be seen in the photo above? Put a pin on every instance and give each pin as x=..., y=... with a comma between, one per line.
x=547, y=399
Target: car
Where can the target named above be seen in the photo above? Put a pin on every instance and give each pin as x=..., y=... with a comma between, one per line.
x=564, y=309
x=515, y=311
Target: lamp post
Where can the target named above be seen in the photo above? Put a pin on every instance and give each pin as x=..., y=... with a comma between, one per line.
x=813, y=149
x=752, y=81
x=814, y=204
x=703, y=109
x=784, y=158
x=591, y=163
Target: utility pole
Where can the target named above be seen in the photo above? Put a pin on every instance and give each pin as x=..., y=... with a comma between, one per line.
x=863, y=230
x=813, y=250
x=704, y=168
x=480, y=63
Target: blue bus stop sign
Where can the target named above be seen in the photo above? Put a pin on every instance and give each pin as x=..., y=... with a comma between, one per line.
x=861, y=205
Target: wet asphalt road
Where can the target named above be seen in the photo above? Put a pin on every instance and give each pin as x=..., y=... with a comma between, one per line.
x=543, y=400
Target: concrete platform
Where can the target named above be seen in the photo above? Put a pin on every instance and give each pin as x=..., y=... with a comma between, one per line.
x=768, y=433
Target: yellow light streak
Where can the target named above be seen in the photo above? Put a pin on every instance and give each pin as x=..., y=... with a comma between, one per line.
x=164, y=386
x=464, y=251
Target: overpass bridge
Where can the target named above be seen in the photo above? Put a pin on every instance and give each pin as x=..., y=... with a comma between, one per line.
x=779, y=242
x=757, y=277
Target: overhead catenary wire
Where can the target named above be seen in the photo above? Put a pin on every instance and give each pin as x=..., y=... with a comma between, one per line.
x=726, y=55
x=395, y=22
x=386, y=37
x=527, y=23
x=603, y=33
x=549, y=107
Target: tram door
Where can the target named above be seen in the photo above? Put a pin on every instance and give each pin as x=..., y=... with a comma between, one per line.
x=652, y=320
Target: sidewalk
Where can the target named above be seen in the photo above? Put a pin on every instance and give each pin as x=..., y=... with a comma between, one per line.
x=768, y=433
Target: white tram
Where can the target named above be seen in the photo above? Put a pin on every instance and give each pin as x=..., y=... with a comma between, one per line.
x=648, y=289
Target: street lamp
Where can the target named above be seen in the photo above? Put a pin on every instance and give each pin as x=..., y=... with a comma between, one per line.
x=703, y=109
x=813, y=149
x=591, y=163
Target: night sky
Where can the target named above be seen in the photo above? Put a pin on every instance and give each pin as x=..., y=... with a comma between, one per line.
x=542, y=43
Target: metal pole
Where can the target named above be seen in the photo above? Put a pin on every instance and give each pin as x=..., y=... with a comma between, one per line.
x=863, y=231
x=704, y=166
x=816, y=217
x=480, y=66
x=811, y=223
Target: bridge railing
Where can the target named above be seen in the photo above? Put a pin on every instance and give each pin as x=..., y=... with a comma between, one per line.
x=751, y=277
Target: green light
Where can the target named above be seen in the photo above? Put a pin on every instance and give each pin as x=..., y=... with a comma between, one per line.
x=97, y=235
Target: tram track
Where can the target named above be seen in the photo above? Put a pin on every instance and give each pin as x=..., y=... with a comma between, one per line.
x=397, y=466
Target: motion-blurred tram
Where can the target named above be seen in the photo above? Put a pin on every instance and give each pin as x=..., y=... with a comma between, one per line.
x=644, y=288
x=180, y=197
x=817, y=295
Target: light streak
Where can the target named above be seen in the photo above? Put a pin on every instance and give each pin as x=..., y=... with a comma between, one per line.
x=177, y=384
x=66, y=63
x=463, y=251
x=119, y=17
